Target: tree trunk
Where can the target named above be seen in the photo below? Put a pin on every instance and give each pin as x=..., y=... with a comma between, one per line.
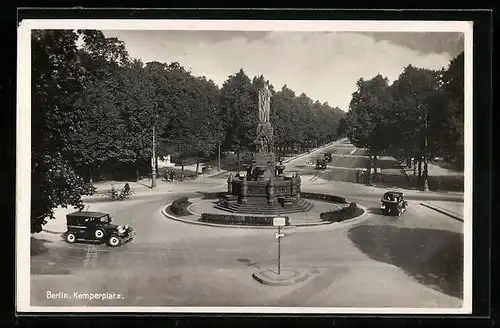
x=369, y=170
x=197, y=165
x=238, y=157
x=375, y=164
x=182, y=170
x=419, y=169
x=156, y=165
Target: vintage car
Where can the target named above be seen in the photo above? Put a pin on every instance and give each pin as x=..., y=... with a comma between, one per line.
x=321, y=162
x=96, y=227
x=393, y=202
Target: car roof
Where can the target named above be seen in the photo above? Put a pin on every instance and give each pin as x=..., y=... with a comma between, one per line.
x=88, y=214
x=399, y=193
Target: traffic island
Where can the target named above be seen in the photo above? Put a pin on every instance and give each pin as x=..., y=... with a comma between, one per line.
x=286, y=277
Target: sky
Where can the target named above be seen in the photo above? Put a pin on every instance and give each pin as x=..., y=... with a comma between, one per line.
x=323, y=65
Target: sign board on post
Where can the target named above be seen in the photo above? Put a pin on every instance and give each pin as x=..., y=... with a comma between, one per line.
x=279, y=222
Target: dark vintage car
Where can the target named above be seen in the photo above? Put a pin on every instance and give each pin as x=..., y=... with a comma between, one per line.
x=321, y=162
x=393, y=202
x=96, y=227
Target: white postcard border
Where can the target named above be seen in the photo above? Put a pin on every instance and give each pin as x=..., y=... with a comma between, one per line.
x=23, y=155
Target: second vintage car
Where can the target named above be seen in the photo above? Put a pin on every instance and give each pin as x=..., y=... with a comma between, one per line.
x=393, y=202
x=96, y=227
x=321, y=162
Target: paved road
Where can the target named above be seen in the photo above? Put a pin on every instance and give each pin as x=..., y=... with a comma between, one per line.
x=414, y=261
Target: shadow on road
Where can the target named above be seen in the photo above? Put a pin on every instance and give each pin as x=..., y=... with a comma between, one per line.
x=37, y=246
x=249, y=263
x=374, y=210
x=433, y=257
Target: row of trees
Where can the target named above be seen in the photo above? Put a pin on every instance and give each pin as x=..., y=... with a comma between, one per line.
x=95, y=109
x=421, y=113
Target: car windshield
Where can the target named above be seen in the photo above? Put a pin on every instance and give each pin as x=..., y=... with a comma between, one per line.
x=105, y=219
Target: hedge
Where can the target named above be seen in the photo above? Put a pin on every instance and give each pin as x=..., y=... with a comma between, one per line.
x=240, y=219
x=324, y=197
x=179, y=206
x=214, y=195
x=343, y=214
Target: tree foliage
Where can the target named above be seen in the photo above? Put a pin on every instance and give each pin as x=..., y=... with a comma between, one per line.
x=57, y=80
x=421, y=107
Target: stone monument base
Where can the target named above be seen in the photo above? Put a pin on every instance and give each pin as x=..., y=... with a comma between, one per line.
x=261, y=206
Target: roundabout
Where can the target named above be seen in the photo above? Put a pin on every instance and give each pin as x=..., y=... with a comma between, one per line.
x=204, y=212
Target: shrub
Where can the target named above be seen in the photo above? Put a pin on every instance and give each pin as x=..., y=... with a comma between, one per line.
x=179, y=206
x=239, y=219
x=343, y=214
x=214, y=195
x=324, y=197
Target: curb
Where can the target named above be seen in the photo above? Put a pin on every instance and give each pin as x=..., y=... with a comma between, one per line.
x=443, y=211
x=54, y=232
x=286, y=282
x=353, y=220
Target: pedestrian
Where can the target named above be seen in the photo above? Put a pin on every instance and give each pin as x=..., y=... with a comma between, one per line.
x=172, y=175
x=357, y=176
x=362, y=175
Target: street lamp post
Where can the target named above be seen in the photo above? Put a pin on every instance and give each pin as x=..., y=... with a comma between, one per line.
x=153, y=162
x=218, y=154
x=425, y=173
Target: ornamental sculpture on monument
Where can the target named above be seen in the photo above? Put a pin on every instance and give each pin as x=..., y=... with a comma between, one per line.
x=264, y=103
x=264, y=140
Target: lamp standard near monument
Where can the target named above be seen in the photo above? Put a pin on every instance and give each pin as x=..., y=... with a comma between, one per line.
x=425, y=173
x=218, y=146
x=424, y=183
x=153, y=161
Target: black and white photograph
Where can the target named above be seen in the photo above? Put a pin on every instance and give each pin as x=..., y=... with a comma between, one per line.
x=244, y=166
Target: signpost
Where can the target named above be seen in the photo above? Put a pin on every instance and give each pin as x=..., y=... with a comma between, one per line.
x=279, y=222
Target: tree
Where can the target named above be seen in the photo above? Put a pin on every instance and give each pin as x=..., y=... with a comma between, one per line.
x=367, y=123
x=452, y=84
x=240, y=114
x=118, y=104
x=418, y=113
x=56, y=84
x=341, y=129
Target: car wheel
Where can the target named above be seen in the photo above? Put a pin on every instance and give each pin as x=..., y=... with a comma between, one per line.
x=70, y=237
x=99, y=233
x=114, y=241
